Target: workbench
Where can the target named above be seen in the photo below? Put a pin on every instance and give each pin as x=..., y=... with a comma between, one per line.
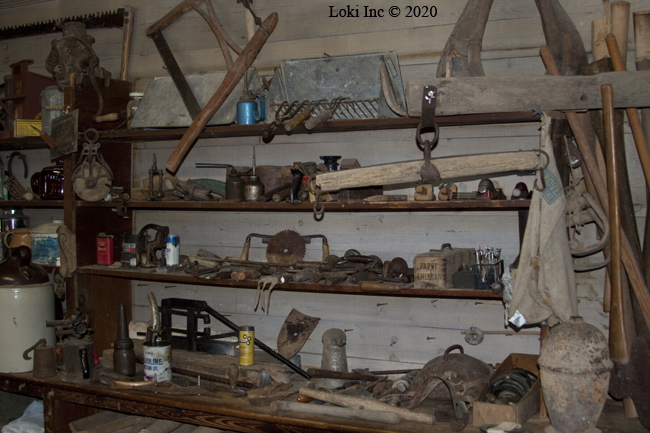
x=65, y=402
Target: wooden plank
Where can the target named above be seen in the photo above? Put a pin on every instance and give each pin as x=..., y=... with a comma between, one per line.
x=467, y=95
x=451, y=168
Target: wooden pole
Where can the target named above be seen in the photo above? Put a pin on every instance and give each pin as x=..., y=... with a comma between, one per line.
x=621, y=25
x=129, y=16
x=632, y=113
x=617, y=342
x=642, y=45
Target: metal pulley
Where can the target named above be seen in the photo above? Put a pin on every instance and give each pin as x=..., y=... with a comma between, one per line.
x=92, y=177
x=474, y=336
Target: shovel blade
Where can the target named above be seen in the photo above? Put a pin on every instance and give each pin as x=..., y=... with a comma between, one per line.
x=295, y=332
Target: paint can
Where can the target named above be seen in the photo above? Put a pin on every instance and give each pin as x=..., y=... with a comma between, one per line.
x=104, y=249
x=246, y=345
x=173, y=250
x=158, y=361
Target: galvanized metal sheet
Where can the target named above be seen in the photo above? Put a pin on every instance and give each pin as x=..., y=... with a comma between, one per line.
x=162, y=106
x=354, y=76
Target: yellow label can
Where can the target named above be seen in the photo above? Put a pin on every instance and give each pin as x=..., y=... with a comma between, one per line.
x=246, y=345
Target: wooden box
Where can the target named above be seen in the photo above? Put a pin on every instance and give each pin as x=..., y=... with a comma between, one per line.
x=433, y=270
x=488, y=413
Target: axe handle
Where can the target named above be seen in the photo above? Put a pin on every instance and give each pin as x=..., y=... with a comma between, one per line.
x=632, y=113
x=129, y=13
x=617, y=336
x=236, y=72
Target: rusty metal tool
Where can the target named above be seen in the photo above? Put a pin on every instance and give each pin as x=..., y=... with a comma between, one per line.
x=108, y=19
x=239, y=67
x=203, y=306
x=92, y=177
x=155, y=194
x=326, y=114
x=20, y=156
x=295, y=332
x=303, y=115
x=429, y=173
x=283, y=112
x=285, y=248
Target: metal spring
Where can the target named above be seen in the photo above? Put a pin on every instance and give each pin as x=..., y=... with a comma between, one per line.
x=347, y=109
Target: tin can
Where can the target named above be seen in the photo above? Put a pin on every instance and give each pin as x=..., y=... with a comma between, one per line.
x=104, y=249
x=158, y=361
x=246, y=345
x=172, y=250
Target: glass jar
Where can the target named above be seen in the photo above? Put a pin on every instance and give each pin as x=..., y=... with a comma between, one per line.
x=132, y=106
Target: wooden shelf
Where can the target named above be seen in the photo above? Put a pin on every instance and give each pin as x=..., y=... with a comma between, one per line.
x=163, y=134
x=331, y=126
x=409, y=206
x=54, y=204
x=22, y=143
x=350, y=289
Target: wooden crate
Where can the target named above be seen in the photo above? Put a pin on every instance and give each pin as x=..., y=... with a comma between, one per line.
x=488, y=413
x=434, y=270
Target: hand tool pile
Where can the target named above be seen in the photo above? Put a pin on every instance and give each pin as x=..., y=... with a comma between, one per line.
x=285, y=253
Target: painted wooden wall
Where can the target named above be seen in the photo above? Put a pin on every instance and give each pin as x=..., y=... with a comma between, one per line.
x=383, y=332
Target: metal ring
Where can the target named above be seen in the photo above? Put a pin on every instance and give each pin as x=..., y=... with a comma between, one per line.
x=91, y=135
x=418, y=137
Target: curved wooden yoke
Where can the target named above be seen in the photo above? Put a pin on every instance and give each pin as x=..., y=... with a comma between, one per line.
x=236, y=69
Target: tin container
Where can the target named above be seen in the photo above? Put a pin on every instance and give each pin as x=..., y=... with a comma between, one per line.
x=173, y=250
x=434, y=270
x=246, y=345
x=131, y=248
x=45, y=244
x=104, y=249
x=158, y=361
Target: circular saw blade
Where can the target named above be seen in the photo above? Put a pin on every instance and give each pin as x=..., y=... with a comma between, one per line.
x=285, y=248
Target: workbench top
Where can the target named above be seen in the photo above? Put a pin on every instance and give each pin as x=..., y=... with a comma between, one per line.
x=63, y=402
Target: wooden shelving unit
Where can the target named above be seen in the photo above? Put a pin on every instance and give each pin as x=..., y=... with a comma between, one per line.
x=150, y=274
x=440, y=206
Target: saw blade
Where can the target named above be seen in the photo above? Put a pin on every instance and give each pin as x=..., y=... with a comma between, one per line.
x=285, y=248
x=109, y=19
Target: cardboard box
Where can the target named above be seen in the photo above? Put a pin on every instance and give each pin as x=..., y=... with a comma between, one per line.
x=434, y=270
x=488, y=413
x=23, y=128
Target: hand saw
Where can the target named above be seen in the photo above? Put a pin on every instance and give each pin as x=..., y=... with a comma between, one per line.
x=98, y=20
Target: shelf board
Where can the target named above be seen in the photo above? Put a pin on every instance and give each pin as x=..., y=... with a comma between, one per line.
x=350, y=289
x=22, y=143
x=54, y=204
x=139, y=135
x=410, y=206
x=163, y=134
